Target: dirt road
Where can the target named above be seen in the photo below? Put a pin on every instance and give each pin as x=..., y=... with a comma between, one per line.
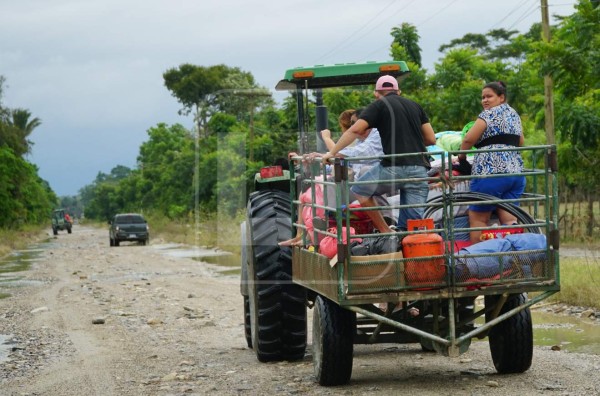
x=131, y=320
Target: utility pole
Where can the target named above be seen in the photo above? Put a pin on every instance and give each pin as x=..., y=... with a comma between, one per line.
x=254, y=95
x=548, y=99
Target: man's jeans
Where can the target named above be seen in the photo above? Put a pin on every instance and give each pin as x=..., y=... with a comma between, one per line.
x=411, y=193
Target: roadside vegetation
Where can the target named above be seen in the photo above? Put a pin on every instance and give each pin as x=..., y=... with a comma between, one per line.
x=212, y=231
x=15, y=240
x=579, y=281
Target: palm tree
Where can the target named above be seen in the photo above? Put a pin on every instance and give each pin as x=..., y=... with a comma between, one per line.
x=24, y=126
x=407, y=36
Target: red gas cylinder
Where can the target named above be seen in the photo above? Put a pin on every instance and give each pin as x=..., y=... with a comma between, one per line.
x=423, y=272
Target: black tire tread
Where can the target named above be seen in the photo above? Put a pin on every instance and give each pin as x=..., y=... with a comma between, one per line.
x=337, y=328
x=511, y=341
x=280, y=303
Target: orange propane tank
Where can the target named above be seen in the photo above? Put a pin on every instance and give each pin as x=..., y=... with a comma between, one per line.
x=423, y=272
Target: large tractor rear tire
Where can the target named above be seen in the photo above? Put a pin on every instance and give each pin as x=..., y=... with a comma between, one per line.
x=333, y=341
x=277, y=305
x=511, y=341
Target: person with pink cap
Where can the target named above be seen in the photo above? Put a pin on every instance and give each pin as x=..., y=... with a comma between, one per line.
x=404, y=129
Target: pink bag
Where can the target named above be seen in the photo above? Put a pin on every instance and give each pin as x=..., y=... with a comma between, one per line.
x=307, y=210
x=328, y=245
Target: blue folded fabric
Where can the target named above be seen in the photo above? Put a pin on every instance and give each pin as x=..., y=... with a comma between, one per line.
x=488, y=267
x=526, y=241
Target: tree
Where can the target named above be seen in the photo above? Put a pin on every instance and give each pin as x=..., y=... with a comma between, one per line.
x=166, y=163
x=10, y=137
x=24, y=197
x=15, y=128
x=406, y=36
x=478, y=42
x=414, y=83
x=454, y=96
x=21, y=119
x=207, y=90
x=572, y=58
x=500, y=47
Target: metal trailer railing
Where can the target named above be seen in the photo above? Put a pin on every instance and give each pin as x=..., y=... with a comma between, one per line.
x=360, y=283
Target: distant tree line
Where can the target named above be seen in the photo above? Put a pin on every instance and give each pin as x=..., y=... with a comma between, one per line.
x=24, y=197
x=239, y=128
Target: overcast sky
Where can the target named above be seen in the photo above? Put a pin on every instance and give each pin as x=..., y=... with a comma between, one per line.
x=91, y=70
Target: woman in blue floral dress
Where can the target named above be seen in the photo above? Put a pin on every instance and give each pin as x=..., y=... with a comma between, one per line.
x=498, y=126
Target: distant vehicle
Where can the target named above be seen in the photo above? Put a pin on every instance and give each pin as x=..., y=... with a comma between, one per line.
x=129, y=227
x=60, y=221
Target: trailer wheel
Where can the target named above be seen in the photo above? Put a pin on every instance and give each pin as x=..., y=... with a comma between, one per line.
x=511, y=341
x=54, y=231
x=333, y=340
x=276, y=305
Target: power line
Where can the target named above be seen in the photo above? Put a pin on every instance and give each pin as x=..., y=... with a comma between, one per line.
x=437, y=13
x=521, y=4
x=397, y=12
x=355, y=32
x=343, y=43
x=529, y=11
x=417, y=25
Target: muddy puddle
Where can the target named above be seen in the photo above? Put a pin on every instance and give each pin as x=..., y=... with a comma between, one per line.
x=13, y=266
x=230, y=262
x=569, y=333
x=5, y=346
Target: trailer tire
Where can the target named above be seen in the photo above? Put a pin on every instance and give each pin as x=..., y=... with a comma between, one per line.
x=333, y=341
x=277, y=307
x=511, y=341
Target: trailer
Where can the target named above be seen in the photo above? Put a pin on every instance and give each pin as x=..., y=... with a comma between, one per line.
x=436, y=291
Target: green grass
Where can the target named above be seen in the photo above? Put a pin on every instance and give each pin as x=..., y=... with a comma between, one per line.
x=212, y=231
x=579, y=282
x=16, y=240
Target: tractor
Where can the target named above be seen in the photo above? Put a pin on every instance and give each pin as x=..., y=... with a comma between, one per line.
x=60, y=222
x=458, y=291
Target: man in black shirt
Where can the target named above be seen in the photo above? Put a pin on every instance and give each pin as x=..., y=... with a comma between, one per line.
x=405, y=132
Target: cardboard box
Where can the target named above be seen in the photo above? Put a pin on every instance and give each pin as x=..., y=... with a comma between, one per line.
x=375, y=273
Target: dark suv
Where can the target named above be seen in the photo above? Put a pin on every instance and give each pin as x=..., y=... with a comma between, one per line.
x=129, y=227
